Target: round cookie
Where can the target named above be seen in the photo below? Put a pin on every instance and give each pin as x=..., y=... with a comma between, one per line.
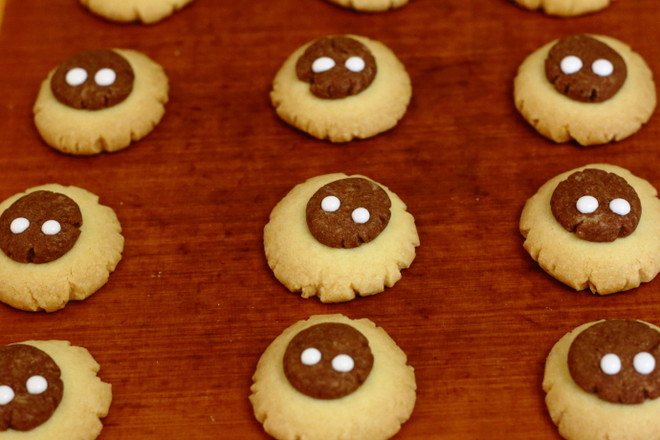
x=357, y=258
x=585, y=67
x=57, y=243
x=342, y=87
x=50, y=390
x=615, y=251
x=100, y=100
x=370, y=5
x=619, y=359
x=351, y=381
x=565, y=8
x=145, y=11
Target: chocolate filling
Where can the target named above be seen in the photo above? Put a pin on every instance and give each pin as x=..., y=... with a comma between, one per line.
x=594, y=73
x=338, y=228
x=92, y=86
x=31, y=244
x=322, y=380
x=28, y=408
x=625, y=339
x=603, y=224
x=341, y=75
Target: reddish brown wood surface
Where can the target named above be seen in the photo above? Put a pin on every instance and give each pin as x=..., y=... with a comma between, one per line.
x=182, y=322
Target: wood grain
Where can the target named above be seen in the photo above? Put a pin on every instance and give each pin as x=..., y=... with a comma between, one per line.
x=182, y=322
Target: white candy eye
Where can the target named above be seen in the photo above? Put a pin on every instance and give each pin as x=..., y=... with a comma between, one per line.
x=620, y=206
x=602, y=67
x=36, y=384
x=587, y=204
x=311, y=356
x=76, y=76
x=610, y=364
x=355, y=64
x=105, y=77
x=570, y=64
x=330, y=204
x=51, y=227
x=343, y=363
x=644, y=363
x=360, y=215
x=323, y=64
x=19, y=225
x=6, y=394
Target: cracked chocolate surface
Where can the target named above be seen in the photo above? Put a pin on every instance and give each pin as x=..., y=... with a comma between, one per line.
x=337, y=81
x=93, y=93
x=321, y=380
x=625, y=339
x=590, y=56
x=30, y=244
x=601, y=225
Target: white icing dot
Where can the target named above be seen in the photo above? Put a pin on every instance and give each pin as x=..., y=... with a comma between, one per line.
x=360, y=215
x=343, y=363
x=310, y=356
x=51, y=227
x=322, y=64
x=570, y=64
x=105, y=77
x=330, y=204
x=620, y=206
x=644, y=363
x=76, y=76
x=610, y=364
x=36, y=384
x=6, y=394
x=602, y=67
x=355, y=64
x=586, y=204
x=19, y=225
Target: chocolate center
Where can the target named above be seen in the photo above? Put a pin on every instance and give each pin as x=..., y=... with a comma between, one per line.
x=596, y=205
x=585, y=69
x=30, y=387
x=336, y=67
x=349, y=212
x=40, y=227
x=616, y=359
x=328, y=361
x=93, y=80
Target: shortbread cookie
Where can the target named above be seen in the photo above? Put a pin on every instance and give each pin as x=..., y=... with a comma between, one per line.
x=101, y=100
x=124, y=11
x=603, y=381
x=331, y=378
x=370, y=5
x=565, y=8
x=336, y=236
x=589, y=88
x=57, y=244
x=342, y=87
x=49, y=390
x=595, y=227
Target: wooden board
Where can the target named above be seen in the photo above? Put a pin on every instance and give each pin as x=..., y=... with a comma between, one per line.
x=182, y=322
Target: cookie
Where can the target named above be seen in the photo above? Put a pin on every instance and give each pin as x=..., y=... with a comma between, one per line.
x=595, y=227
x=565, y=8
x=50, y=390
x=342, y=87
x=335, y=236
x=100, y=100
x=57, y=244
x=589, y=88
x=370, y=5
x=331, y=377
x=603, y=382
x=125, y=11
